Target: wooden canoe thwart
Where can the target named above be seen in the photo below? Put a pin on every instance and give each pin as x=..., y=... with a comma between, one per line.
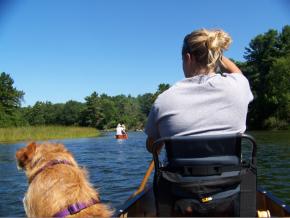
x=143, y=205
x=124, y=136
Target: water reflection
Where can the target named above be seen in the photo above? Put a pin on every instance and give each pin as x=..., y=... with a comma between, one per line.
x=116, y=167
x=274, y=162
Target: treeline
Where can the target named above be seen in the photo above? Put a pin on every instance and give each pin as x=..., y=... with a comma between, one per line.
x=267, y=67
x=99, y=111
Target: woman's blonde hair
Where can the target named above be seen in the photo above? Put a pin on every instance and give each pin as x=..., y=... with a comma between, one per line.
x=207, y=46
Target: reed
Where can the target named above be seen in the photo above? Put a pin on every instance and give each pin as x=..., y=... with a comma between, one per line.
x=34, y=133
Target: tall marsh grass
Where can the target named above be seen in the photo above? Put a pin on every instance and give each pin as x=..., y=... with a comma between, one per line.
x=34, y=133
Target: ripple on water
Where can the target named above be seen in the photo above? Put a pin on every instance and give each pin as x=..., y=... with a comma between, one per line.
x=116, y=167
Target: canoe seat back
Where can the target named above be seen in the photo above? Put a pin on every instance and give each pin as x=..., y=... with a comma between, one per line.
x=205, y=176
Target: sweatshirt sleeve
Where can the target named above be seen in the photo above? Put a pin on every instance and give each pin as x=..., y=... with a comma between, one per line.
x=151, y=128
x=243, y=84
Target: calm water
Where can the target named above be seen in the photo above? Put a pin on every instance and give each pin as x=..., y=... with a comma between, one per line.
x=117, y=167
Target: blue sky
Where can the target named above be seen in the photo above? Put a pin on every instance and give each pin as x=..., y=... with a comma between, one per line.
x=58, y=50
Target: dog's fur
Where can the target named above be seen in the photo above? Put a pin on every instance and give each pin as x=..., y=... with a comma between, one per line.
x=58, y=186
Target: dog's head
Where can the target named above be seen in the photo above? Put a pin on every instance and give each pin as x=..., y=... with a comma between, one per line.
x=34, y=154
x=25, y=155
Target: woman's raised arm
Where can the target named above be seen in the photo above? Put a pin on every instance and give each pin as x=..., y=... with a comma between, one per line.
x=228, y=66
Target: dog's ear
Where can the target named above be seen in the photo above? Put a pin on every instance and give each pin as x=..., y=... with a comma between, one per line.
x=25, y=155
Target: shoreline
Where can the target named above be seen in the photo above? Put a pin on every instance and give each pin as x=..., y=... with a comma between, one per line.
x=40, y=133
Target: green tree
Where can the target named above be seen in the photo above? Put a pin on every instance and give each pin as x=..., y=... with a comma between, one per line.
x=44, y=113
x=131, y=114
x=279, y=93
x=109, y=112
x=36, y=114
x=71, y=113
x=122, y=105
x=10, y=102
x=145, y=102
x=161, y=88
x=10, y=97
x=92, y=115
x=266, y=54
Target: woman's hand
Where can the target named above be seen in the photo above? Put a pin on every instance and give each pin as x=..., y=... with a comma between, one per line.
x=228, y=66
x=149, y=145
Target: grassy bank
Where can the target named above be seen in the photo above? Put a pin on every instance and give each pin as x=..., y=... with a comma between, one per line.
x=34, y=133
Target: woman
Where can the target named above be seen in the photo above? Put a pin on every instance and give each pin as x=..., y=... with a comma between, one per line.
x=119, y=130
x=205, y=102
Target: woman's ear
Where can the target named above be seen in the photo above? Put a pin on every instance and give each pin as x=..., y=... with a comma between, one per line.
x=187, y=58
x=188, y=63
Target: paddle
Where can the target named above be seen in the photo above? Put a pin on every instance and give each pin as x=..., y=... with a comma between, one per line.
x=145, y=180
x=149, y=170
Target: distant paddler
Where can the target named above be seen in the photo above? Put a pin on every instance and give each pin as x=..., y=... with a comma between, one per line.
x=123, y=129
x=121, y=132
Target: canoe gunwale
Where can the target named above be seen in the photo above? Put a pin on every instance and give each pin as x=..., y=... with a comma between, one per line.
x=268, y=196
x=131, y=201
x=265, y=201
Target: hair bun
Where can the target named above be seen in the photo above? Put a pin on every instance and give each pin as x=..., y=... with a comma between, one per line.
x=218, y=40
x=207, y=46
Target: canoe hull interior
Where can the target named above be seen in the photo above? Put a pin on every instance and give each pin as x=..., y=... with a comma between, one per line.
x=143, y=205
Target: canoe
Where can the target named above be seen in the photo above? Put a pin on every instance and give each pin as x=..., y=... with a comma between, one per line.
x=143, y=205
x=124, y=136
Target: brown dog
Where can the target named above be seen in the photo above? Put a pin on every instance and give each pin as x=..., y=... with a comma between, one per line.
x=58, y=187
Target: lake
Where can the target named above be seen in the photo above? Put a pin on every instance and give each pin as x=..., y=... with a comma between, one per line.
x=117, y=167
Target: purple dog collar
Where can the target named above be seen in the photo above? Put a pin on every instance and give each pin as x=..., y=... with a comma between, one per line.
x=49, y=164
x=75, y=208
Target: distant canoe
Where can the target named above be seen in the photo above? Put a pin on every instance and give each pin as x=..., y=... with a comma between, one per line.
x=124, y=136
